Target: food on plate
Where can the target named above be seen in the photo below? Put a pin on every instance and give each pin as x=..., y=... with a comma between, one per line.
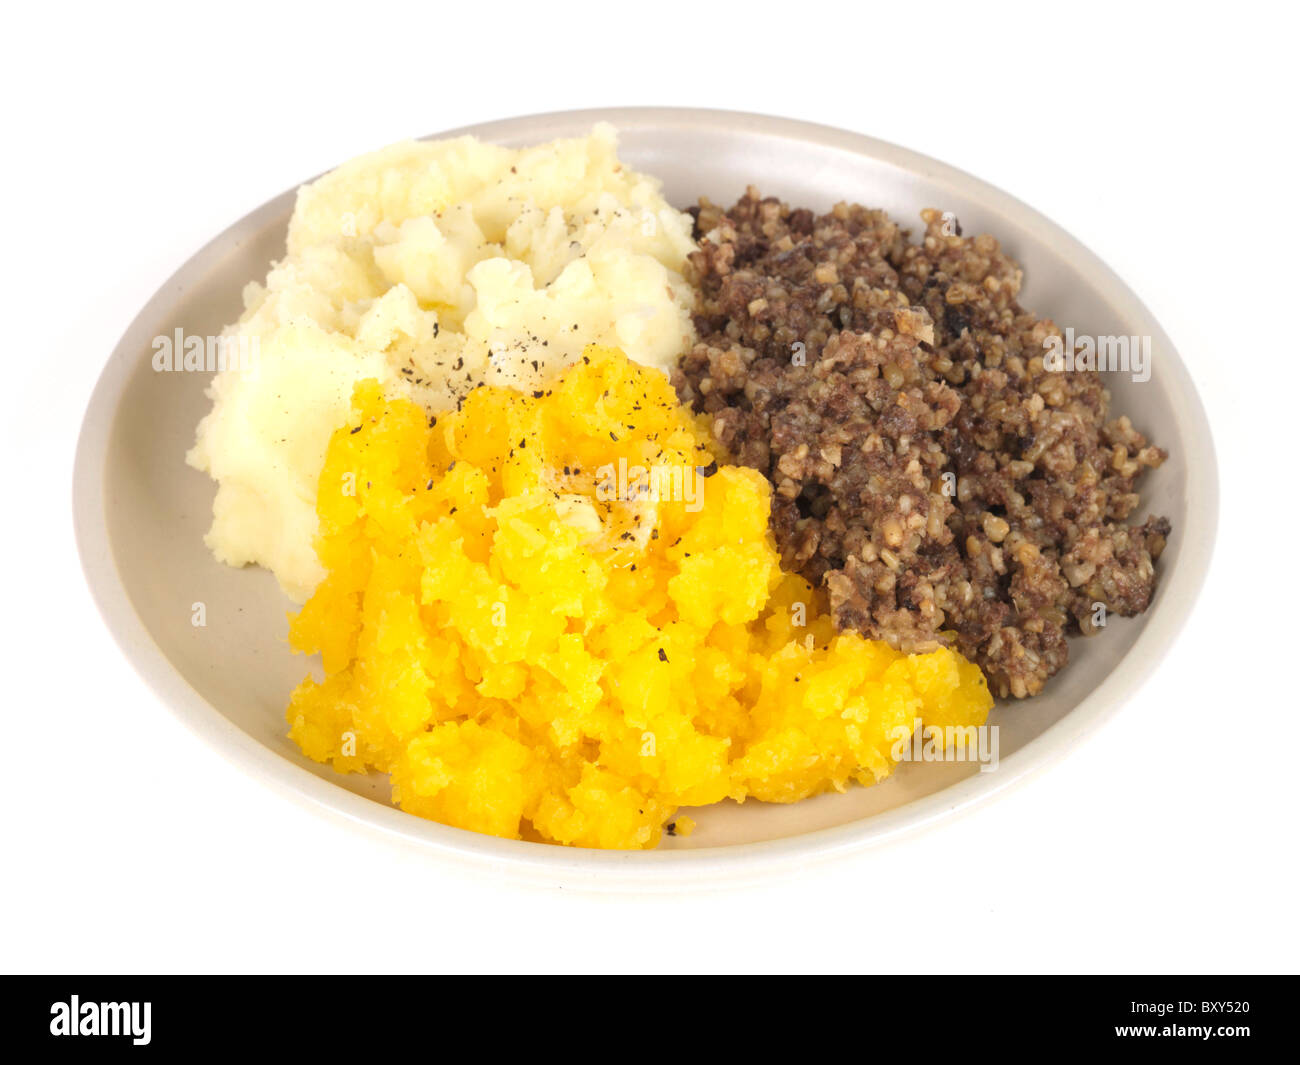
x=430, y=267
x=558, y=614
x=944, y=484
x=598, y=509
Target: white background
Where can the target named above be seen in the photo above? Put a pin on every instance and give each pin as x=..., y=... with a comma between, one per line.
x=1162, y=138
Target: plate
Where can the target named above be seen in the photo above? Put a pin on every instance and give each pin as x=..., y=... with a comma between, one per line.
x=141, y=512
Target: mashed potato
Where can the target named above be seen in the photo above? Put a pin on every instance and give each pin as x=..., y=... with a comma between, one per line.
x=535, y=652
x=431, y=267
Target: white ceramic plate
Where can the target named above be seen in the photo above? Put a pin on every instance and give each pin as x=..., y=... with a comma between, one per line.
x=141, y=513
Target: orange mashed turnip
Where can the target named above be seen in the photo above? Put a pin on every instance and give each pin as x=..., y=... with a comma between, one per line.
x=540, y=637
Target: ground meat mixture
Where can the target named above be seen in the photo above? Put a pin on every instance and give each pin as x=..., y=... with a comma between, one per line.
x=927, y=470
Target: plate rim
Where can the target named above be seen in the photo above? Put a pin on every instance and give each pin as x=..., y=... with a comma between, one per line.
x=656, y=869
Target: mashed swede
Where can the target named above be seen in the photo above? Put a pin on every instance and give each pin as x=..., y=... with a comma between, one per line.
x=431, y=268
x=530, y=656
